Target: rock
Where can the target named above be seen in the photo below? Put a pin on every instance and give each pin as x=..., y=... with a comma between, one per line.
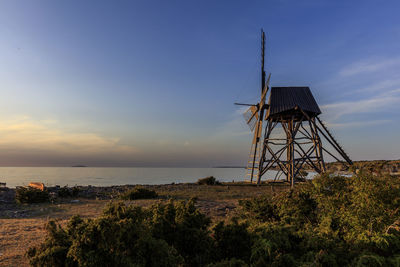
x=37, y=185
x=7, y=195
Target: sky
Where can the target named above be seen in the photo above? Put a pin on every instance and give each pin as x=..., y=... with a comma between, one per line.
x=152, y=83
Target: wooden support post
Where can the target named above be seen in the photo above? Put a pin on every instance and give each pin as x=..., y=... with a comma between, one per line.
x=292, y=161
x=302, y=146
x=268, y=130
x=319, y=146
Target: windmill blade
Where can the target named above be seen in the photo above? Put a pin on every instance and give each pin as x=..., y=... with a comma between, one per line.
x=257, y=132
x=265, y=89
x=251, y=117
x=269, y=78
x=254, y=113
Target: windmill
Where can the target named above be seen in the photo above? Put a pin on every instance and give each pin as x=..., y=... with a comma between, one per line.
x=292, y=136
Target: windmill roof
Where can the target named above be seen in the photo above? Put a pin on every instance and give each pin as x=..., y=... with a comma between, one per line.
x=283, y=99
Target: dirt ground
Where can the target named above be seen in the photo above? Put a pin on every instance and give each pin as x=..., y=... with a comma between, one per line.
x=18, y=234
x=22, y=226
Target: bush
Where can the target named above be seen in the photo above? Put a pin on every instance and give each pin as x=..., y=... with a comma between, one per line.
x=330, y=221
x=163, y=235
x=232, y=241
x=230, y=263
x=75, y=191
x=64, y=192
x=261, y=208
x=31, y=195
x=139, y=193
x=208, y=181
x=185, y=228
x=115, y=239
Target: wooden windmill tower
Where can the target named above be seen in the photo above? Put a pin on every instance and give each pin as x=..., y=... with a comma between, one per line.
x=292, y=136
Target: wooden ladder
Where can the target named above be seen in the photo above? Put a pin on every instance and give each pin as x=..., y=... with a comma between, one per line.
x=249, y=167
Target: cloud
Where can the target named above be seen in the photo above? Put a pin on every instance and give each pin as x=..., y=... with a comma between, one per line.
x=368, y=66
x=234, y=126
x=358, y=124
x=370, y=105
x=371, y=95
x=376, y=103
x=25, y=133
x=381, y=86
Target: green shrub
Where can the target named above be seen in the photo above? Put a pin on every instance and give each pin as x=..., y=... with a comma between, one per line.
x=75, y=191
x=369, y=260
x=68, y=192
x=233, y=262
x=53, y=251
x=232, y=241
x=111, y=240
x=208, y=181
x=185, y=228
x=163, y=235
x=64, y=192
x=139, y=193
x=263, y=209
x=31, y=195
x=330, y=221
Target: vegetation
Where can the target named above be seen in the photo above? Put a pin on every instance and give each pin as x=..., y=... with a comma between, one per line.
x=139, y=193
x=31, y=195
x=66, y=191
x=208, y=181
x=378, y=167
x=329, y=221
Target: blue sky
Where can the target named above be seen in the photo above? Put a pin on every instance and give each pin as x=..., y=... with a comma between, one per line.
x=152, y=83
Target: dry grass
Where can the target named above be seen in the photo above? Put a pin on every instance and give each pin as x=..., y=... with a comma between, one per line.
x=226, y=191
x=17, y=235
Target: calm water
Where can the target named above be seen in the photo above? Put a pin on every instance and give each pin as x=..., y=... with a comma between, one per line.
x=16, y=176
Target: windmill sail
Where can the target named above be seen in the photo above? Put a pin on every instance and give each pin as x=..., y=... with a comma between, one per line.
x=251, y=117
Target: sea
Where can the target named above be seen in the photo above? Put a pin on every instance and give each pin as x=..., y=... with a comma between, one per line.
x=106, y=176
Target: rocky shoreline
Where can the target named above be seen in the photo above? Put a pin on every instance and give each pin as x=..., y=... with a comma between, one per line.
x=391, y=167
